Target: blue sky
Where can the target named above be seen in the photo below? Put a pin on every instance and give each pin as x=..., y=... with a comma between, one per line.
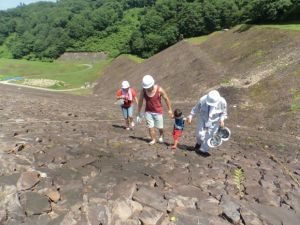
x=7, y=4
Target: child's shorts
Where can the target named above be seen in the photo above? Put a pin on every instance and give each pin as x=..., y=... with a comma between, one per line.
x=127, y=112
x=177, y=134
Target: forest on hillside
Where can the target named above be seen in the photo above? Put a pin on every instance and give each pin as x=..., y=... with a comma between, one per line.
x=45, y=30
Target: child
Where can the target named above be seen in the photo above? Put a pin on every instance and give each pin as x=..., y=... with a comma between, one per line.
x=126, y=97
x=178, y=127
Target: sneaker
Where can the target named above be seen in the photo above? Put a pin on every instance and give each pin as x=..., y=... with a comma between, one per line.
x=132, y=124
x=197, y=146
x=127, y=128
x=161, y=139
x=203, y=154
x=152, y=142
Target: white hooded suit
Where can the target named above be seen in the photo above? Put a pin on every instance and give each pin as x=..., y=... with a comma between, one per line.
x=208, y=119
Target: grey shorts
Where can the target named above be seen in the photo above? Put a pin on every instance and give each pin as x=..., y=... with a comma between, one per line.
x=154, y=120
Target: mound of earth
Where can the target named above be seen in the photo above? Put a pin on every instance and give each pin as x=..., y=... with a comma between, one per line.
x=67, y=160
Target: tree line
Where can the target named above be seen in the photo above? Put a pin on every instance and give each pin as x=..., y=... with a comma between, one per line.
x=45, y=30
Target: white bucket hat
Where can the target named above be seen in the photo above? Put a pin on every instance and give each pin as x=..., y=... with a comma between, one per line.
x=213, y=98
x=125, y=84
x=148, y=81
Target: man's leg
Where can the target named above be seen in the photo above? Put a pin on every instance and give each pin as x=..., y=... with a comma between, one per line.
x=212, y=130
x=152, y=136
x=200, y=134
x=150, y=125
x=161, y=135
x=159, y=124
x=208, y=134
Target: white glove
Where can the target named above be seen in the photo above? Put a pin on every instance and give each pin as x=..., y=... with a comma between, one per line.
x=138, y=119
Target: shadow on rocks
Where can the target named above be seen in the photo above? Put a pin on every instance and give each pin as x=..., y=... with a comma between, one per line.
x=203, y=154
x=185, y=147
x=119, y=126
x=140, y=138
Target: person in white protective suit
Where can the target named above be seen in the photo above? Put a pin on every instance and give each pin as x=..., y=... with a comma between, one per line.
x=211, y=111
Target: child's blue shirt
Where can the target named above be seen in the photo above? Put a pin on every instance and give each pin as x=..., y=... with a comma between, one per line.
x=179, y=123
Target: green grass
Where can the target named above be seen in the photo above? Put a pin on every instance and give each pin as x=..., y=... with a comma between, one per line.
x=73, y=74
x=242, y=27
x=292, y=26
x=259, y=53
x=88, y=91
x=134, y=58
x=226, y=81
x=295, y=105
x=197, y=40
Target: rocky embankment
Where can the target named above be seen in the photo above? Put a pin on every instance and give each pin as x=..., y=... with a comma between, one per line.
x=67, y=161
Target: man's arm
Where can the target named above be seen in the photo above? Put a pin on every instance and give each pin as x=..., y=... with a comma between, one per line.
x=140, y=102
x=224, y=113
x=134, y=97
x=167, y=100
x=194, y=111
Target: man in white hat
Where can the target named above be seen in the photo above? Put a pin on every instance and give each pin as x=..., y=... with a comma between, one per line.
x=152, y=94
x=211, y=111
x=126, y=97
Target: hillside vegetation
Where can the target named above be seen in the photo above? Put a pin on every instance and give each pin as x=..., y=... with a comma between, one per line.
x=43, y=31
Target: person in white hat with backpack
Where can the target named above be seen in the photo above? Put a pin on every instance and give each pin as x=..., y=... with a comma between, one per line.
x=126, y=97
x=211, y=111
x=152, y=95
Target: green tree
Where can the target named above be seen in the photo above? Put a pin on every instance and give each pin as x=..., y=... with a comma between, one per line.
x=269, y=10
x=191, y=20
x=152, y=44
x=170, y=35
x=152, y=22
x=107, y=15
x=136, y=43
x=80, y=26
